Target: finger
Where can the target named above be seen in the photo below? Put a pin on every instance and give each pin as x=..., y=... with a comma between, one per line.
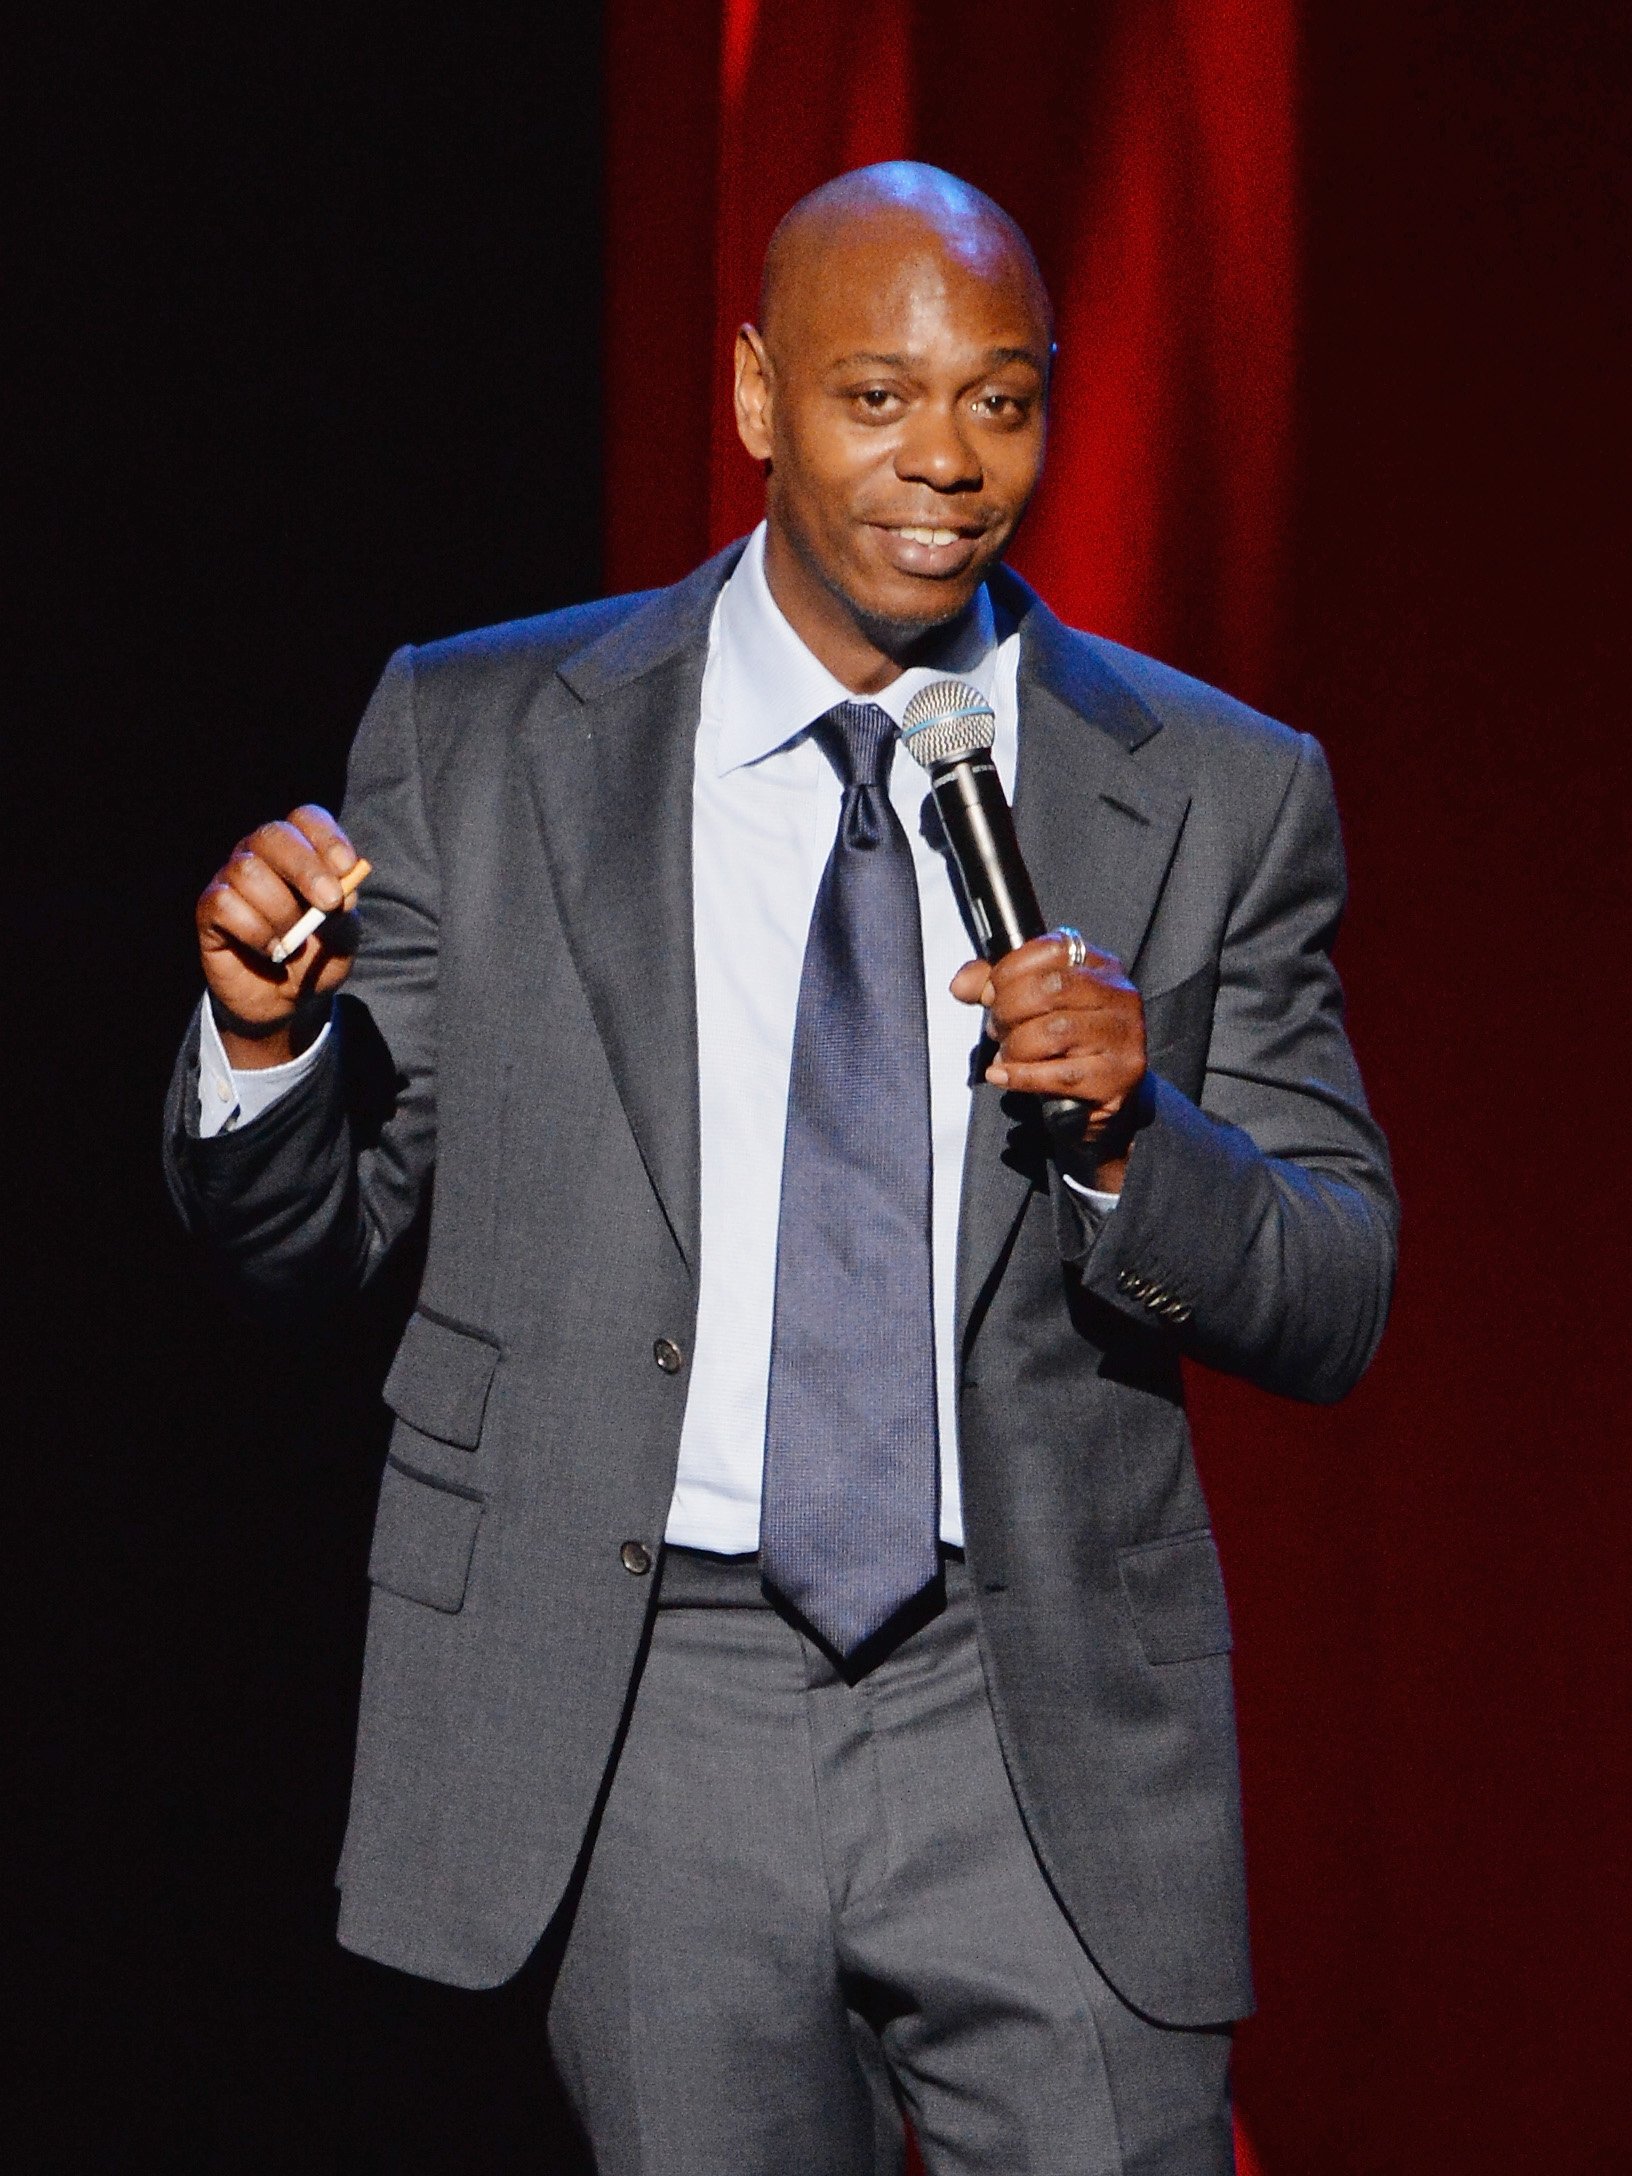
x=1062, y=1034
x=318, y=967
x=327, y=839
x=1063, y=942
x=321, y=962
x=288, y=851
x=1071, y=951
x=969, y=981
x=1098, y=1081
x=1052, y=951
x=1048, y=990
x=1039, y=973
x=1045, y=1035
x=248, y=874
x=228, y=919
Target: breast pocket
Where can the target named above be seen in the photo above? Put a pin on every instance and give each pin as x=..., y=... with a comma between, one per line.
x=432, y=1497
x=1174, y=1589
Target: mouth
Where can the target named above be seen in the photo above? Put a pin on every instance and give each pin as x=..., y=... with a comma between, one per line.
x=936, y=549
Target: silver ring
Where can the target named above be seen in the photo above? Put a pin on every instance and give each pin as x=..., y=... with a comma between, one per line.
x=1076, y=951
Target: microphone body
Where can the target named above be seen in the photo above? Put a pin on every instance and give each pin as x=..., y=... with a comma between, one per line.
x=949, y=729
x=977, y=824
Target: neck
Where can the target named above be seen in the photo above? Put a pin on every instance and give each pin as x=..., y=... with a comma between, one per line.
x=853, y=652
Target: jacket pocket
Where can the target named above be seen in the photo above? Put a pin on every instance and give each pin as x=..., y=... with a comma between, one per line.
x=440, y=1379
x=424, y=1537
x=1175, y=1594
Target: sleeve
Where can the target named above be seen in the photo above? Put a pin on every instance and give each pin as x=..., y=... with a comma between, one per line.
x=1093, y=1203
x=228, y=1097
x=1259, y=1225
x=307, y=1197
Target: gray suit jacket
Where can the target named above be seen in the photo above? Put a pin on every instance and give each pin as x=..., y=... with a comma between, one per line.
x=520, y=1029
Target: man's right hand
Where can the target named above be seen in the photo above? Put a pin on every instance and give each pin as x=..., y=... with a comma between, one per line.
x=268, y=1014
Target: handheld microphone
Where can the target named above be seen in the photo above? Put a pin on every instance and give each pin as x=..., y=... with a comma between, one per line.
x=949, y=728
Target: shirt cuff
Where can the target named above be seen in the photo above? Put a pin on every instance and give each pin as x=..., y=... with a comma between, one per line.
x=228, y=1099
x=1098, y=1204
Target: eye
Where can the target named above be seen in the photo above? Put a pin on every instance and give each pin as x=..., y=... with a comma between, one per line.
x=876, y=400
x=1002, y=407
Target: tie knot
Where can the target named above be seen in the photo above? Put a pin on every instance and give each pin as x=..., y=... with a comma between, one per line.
x=858, y=739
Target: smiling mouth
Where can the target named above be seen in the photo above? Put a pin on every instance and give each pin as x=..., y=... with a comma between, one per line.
x=929, y=536
x=928, y=533
x=930, y=551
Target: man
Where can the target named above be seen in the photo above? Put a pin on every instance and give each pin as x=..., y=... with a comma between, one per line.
x=792, y=1586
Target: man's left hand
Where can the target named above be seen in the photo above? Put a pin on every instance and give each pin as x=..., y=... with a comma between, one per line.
x=1065, y=1031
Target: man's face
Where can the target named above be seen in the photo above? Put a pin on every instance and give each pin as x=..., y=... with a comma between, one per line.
x=899, y=396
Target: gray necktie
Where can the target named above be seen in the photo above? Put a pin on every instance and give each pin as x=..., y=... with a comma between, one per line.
x=849, y=1518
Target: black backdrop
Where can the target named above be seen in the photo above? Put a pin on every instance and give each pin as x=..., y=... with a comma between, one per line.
x=306, y=328
x=302, y=339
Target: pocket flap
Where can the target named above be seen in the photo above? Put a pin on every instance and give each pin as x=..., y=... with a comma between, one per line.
x=439, y=1380
x=423, y=1540
x=1175, y=1591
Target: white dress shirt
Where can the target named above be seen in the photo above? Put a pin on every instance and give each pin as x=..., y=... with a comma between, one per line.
x=228, y=1099
x=764, y=814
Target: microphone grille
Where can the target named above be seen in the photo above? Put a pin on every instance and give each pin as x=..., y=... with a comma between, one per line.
x=946, y=722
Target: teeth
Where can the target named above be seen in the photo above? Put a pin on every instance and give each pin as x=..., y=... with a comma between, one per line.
x=929, y=536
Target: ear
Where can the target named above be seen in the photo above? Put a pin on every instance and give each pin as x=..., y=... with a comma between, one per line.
x=753, y=393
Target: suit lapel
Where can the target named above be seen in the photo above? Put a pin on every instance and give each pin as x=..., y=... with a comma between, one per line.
x=611, y=745
x=1098, y=832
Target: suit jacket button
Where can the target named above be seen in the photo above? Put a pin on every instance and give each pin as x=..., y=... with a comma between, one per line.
x=668, y=1356
x=635, y=1557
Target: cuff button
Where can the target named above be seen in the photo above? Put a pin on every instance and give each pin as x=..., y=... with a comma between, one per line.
x=635, y=1557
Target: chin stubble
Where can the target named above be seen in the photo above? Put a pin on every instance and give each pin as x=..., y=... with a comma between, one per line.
x=895, y=637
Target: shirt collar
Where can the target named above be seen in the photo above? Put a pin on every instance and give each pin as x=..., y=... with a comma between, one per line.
x=771, y=688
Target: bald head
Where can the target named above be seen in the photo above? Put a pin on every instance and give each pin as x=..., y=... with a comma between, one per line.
x=895, y=393
x=895, y=212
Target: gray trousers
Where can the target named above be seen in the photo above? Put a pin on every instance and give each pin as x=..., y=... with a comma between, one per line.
x=811, y=1904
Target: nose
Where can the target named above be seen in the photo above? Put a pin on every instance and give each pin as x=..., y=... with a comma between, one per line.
x=935, y=450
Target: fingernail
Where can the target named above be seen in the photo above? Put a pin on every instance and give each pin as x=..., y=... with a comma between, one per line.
x=998, y=1075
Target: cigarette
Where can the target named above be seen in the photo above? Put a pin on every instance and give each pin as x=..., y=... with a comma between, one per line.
x=292, y=939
